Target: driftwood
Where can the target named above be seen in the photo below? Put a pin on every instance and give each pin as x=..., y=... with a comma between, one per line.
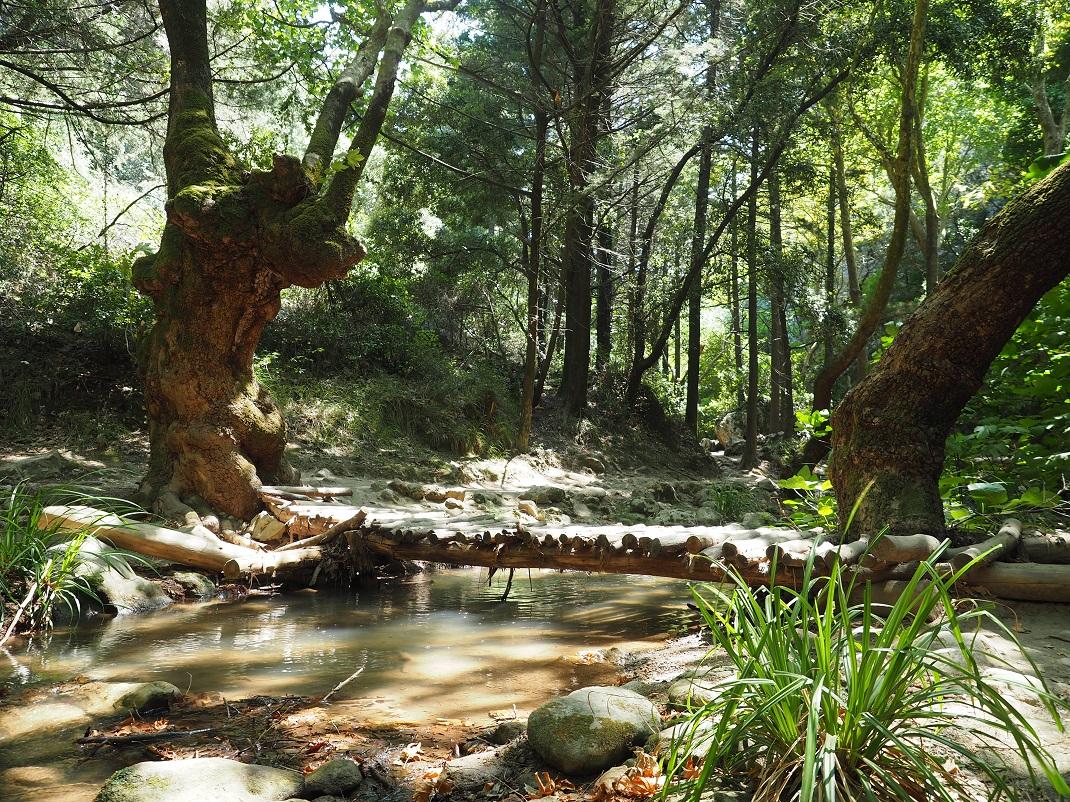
x=179, y=547
x=848, y=553
x=750, y=549
x=1023, y=581
x=139, y=737
x=990, y=550
x=797, y=551
x=309, y=518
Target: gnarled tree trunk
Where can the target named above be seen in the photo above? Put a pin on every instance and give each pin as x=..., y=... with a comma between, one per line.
x=234, y=239
x=891, y=428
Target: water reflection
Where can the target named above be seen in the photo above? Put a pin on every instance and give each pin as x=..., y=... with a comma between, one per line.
x=437, y=645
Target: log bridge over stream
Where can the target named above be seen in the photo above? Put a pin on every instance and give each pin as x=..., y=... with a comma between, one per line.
x=463, y=538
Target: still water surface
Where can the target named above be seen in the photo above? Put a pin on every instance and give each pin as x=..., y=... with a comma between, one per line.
x=439, y=645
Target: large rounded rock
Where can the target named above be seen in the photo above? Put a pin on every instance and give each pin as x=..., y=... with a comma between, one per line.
x=591, y=729
x=198, y=780
x=115, y=583
x=695, y=690
x=334, y=778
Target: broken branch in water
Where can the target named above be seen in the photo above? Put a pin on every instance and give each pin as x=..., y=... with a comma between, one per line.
x=342, y=684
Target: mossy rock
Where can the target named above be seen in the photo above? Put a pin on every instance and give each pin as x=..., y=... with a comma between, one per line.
x=334, y=778
x=591, y=729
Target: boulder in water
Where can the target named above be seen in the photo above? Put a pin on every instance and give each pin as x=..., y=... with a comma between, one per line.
x=112, y=579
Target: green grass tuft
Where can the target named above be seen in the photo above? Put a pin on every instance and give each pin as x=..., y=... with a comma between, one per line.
x=838, y=698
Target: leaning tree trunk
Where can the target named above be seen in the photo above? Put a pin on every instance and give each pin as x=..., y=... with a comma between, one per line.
x=233, y=240
x=891, y=428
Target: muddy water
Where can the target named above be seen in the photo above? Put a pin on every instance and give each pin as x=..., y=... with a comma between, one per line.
x=440, y=645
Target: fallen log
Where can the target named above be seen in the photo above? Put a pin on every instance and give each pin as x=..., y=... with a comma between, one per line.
x=990, y=550
x=307, y=519
x=904, y=548
x=1022, y=581
x=848, y=553
x=796, y=552
x=151, y=540
x=1025, y=581
x=307, y=490
x=753, y=548
x=613, y=562
x=1047, y=547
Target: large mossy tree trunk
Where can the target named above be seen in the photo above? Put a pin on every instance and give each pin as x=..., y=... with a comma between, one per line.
x=891, y=428
x=233, y=240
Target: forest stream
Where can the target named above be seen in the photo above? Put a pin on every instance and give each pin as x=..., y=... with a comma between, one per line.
x=434, y=647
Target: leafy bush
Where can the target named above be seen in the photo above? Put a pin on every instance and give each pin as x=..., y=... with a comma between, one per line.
x=815, y=503
x=365, y=322
x=835, y=697
x=1010, y=454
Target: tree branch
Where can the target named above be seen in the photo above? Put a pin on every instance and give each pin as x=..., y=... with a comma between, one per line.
x=345, y=90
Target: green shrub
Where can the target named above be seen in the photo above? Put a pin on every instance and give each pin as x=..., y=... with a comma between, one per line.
x=835, y=697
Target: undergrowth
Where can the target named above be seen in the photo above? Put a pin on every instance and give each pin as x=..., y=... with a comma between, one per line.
x=448, y=409
x=44, y=568
x=837, y=697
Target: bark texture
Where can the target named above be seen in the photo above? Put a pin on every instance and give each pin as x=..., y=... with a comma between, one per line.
x=891, y=428
x=233, y=240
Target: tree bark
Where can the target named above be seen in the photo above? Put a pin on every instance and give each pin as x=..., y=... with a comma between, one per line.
x=750, y=448
x=891, y=429
x=854, y=290
x=698, y=238
x=920, y=172
x=233, y=240
x=579, y=217
x=603, y=324
x=694, y=301
x=733, y=301
x=542, y=121
x=781, y=405
x=829, y=335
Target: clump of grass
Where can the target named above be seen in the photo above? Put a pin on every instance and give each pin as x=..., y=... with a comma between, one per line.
x=838, y=698
x=41, y=566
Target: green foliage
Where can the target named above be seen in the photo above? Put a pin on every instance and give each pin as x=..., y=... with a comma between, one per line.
x=814, y=504
x=814, y=422
x=1042, y=166
x=835, y=697
x=41, y=567
x=1017, y=428
x=366, y=322
x=451, y=408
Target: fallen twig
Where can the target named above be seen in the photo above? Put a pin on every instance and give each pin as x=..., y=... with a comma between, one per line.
x=342, y=684
x=18, y=613
x=139, y=737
